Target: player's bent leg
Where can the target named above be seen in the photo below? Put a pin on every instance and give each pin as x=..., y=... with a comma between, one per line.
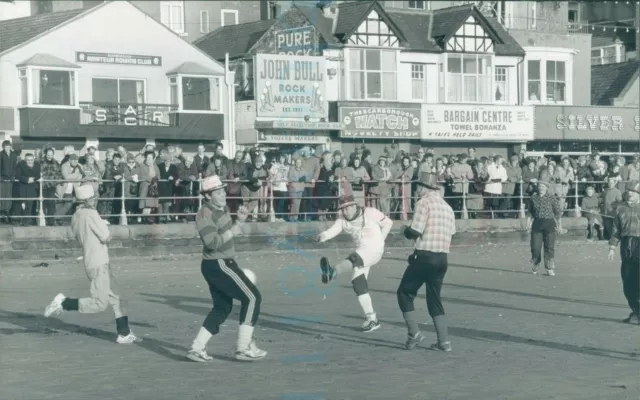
x=361, y=288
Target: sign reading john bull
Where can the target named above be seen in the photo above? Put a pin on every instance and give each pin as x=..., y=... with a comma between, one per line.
x=290, y=86
x=297, y=41
x=399, y=122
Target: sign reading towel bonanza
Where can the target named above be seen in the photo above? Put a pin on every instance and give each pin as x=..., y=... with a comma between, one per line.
x=470, y=122
x=290, y=86
x=401, y=121
x=119, y=59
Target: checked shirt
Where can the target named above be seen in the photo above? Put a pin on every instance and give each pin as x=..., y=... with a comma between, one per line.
x=435, y=219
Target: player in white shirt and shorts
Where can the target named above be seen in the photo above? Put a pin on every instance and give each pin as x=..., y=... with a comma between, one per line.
x=369, y=228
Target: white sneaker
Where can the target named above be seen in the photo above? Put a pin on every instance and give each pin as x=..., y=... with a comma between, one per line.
x=251, y=353
x=550, y=272
x=200, y=356
x=130, y=338
x=55, y=307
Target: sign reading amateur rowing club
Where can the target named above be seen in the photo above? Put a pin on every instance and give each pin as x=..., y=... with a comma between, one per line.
x=371, y=121
x=473, y=123
x=118, y=59
x=297, y=41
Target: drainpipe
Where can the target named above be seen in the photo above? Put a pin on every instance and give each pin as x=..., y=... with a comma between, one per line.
x=518, y=79
x=231, y=139
x=430, y=29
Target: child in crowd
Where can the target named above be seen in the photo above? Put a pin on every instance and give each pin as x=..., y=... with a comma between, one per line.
x=591, y=209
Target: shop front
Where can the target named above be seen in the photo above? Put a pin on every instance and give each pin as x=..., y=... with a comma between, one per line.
x=575, y=131
x=140, y=83
x=490, y=129
x=377, y=125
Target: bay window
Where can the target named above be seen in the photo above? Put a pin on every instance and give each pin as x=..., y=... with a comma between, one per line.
x=47, y=87
x=373, y=74
x=533, y=80
x=469, y=78
x=196, y=93
x=547, y=81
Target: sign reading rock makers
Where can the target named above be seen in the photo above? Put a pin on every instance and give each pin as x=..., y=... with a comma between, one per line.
x=472, y=123
x=297, y=41
x=290, y=86
x=398, y=122
x=119, y=59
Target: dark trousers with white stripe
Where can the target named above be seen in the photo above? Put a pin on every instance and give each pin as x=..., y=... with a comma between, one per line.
x=227, y=282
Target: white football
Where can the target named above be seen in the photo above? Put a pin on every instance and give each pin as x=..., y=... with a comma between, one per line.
x=249, y=274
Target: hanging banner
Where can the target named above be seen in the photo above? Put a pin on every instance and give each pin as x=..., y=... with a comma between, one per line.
x=478, y=123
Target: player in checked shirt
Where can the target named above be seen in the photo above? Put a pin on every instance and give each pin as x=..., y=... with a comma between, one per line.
x=432, y=227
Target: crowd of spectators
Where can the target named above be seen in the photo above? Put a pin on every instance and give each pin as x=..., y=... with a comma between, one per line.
x=162, y=185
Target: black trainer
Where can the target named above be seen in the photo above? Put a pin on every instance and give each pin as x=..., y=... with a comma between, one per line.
x=328, y=273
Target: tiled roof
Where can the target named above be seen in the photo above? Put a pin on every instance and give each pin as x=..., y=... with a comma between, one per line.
x=600, y=38
x=417, y=35
x=323, y=24
x=47, y=60
x=350, y=15
x=609, y=80
x=14, y=32
x=192, y=68
x=233, y=39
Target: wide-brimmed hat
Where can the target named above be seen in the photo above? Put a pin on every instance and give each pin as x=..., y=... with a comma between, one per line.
x=428, y=180
x=346, y=201
x=84, y=193
x=211, y=183
x=633, y=186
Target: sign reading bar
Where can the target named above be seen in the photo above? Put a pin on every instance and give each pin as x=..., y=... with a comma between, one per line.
x=369, y=121
x=290, y=86
x=118, y=59
x=297, y=41
x=299, y=125
x=481, y=122
x=293, y=138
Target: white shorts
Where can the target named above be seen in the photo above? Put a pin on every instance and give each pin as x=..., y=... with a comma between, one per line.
x=370, y=257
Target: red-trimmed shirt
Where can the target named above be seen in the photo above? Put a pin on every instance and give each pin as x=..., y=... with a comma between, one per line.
x=435, y=220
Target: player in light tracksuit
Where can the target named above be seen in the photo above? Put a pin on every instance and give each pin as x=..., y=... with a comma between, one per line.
x=369, y=228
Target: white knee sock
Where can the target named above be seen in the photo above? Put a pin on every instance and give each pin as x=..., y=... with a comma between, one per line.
x=367, y=305
x=200, y=343
x=245, y=333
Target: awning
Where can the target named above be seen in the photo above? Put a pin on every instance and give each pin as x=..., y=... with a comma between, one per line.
x=47, y=60
x=191, y=68
x=299, y=125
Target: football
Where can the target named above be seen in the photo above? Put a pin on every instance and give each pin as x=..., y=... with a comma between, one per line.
x=249, y=274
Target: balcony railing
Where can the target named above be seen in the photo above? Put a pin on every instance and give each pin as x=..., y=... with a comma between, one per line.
x=127, y=114
x=545, y=25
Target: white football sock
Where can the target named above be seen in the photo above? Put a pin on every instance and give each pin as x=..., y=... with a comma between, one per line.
x=367, y=305
x=201, y=340
x=245, y=333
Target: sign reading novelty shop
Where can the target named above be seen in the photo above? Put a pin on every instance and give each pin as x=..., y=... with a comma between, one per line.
x=297, y=41
x=381, y=122
x=290, y=86
x=118, y=59
x=474, y=123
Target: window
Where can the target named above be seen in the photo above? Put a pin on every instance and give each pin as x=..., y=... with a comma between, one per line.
x=118, y=91
x=469, y=78
x=43, y=7
x=52, y=87
x=24, y=87
x=470, y=38
x=248, y=78
x=272, y=9
x=228, y=17
x=501, y=79
x=172, y=15
x=200, y=94
x=373, y=74
x=173, y=88
x=533, y=80
x=204, y=21
x=374, y=31
x=418, y=5
x=605, y=55
x=418, y=82
x=556, y=81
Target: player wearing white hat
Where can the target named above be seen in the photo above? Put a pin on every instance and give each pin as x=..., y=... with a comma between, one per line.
x=225, y=279
x=369, y=228
x=93, y=234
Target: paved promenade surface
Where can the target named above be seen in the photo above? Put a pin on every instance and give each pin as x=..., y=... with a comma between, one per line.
x=515, y=335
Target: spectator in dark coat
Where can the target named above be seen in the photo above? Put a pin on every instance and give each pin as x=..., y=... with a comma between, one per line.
x=237, y=173
x=52, y=180
x=169, y=177
x=8, y=166
x=28, y=174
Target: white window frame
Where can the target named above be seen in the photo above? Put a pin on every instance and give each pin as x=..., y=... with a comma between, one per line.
x=618, y=56
x=26, y=72
x=204, y=21
x=544, y=54
x=168, y=20
x=426, y=5
x=225, y=11
x=497, y=72
x=349, y=71
x=462, y=74
x=556, y=80
x=178, y=82
x=118, y=79
x=419, y=74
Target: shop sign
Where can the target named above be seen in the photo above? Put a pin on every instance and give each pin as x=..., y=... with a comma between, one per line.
x=118, y=59
x=128, y=115
x=476, y=123
x=291, y=86
x=587, y=123
x=381, y=122
x=297, y=41
x=299, y=125
x=293, y=137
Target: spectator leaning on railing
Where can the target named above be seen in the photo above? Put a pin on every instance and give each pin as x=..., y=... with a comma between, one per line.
x=52, y=187
x=8, y=165
x=28, y=175
x=237, y=173
x=297, y=178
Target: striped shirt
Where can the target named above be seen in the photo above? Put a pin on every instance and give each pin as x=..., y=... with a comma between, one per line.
x=214, y=227
x=435, y=221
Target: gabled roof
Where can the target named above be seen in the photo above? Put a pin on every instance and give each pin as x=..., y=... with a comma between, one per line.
x=14, y=32
x=236, y=40
x=191, y=68
x=352, y=15
x=609, y=81
x=47, y=60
